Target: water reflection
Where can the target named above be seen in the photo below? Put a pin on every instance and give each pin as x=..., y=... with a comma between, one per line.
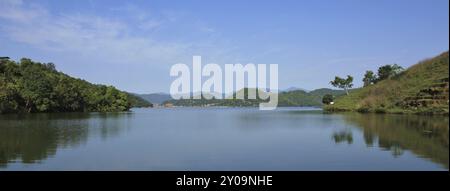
x=32, y=138
x=222, y=139
x=425, y=136
x=343, y=136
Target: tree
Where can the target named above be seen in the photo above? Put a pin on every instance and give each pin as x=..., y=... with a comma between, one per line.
x=388, y=71
x=50, y=66
x=369, y=78
x=35, y=87
x=343, y=83
x=327, y=99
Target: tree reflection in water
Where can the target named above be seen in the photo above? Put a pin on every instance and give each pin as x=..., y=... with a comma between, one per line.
x=426, y=136
x=343, y=136
x=31, y=138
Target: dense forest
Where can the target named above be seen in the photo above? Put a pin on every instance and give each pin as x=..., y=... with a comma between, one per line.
x=28, y=86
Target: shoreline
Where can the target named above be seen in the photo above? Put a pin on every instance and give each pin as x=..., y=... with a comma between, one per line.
x=429, y=111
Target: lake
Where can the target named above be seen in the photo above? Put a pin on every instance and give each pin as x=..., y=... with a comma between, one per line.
x=223, y=139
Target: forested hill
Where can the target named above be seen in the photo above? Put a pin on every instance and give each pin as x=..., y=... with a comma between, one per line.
x=28, y=86
x=303, y=98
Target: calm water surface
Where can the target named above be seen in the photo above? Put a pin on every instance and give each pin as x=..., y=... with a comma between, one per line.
x=223, y=139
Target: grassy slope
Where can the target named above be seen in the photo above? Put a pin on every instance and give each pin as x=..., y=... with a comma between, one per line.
x=385, y=95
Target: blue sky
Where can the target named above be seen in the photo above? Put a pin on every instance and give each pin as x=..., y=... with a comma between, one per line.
x=133, y=44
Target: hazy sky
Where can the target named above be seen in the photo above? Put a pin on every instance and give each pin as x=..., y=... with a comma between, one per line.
x=133, y=44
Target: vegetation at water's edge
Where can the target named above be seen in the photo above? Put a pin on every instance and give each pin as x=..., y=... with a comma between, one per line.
x=28, y=86
x=421, y=89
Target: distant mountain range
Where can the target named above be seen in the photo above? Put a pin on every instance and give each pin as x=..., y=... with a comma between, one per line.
x=155, y=98
x=292, y=96
x=295, y=97
x=294, y=89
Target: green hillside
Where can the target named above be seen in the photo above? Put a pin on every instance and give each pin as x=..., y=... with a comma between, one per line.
x=422, y=88
x=28, y=86
x=298, y=98
x=303, y=98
